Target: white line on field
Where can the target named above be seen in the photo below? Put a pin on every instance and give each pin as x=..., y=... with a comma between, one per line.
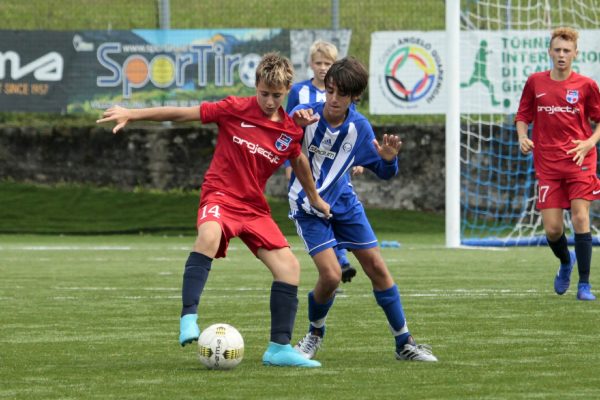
x=96, y=248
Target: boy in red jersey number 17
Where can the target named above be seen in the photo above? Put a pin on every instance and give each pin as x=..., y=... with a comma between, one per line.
x=560, y=104
x=255, y=137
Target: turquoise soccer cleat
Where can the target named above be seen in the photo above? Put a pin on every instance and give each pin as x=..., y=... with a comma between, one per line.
x=188, y=329
x=283, y=355
x=563, y=276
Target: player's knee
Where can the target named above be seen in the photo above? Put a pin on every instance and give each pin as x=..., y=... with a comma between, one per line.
x=330, y=276
x=581, y=222
x=207, y=242
x=293, y=265
x=553, y=232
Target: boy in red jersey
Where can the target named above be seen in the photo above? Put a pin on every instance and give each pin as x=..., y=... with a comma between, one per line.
x=560, y=103
x=255, y=137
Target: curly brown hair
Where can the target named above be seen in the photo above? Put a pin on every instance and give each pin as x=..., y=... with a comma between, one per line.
x=565, y=33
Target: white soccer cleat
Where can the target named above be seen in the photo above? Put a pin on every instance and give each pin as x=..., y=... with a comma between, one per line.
x=415, y=352
x=308, y=345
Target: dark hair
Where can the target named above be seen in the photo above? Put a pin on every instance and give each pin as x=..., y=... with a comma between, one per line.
x=349, y=75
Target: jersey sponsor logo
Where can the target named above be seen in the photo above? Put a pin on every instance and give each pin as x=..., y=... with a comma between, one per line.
x=537, y=96
x=558, y=109
x=283, y=142
x=245, y=125
x=572, y=96
x=257, y=149
x=326, y=153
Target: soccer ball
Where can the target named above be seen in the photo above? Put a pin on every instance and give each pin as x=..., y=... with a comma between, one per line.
x=220, y=346
x=247, y=69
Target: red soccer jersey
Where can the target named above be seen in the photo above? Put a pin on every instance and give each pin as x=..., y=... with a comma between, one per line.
x=560, y=112
x=249, y=149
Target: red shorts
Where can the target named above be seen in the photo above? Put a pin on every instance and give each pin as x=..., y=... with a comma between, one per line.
x=558, y=193
x=256, y=231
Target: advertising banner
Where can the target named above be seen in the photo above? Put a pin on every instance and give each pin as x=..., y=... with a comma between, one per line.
x=407, y=69
x=68, y=71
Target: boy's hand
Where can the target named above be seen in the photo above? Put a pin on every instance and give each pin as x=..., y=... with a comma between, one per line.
x=582, y=147
x=305, y=117
x=116, y=113
x=357, y=170
x=389, y=148
x=321, y=208
x=525, y=144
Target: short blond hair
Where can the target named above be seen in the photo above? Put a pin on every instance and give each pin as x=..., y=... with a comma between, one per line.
x=275, y=70
x=565, y=33
x=328, y=50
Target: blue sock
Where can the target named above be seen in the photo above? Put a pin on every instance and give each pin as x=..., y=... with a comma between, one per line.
x=342, y=255
x=583, y=250
x=195, y=275
x=389, y=301
x=284, y=305
x=317, y=314
x=560, y=248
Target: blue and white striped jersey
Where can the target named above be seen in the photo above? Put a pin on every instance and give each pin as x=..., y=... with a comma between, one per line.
x=302, y=93
x=331, y=153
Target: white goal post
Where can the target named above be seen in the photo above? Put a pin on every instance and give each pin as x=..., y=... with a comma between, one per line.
x=495, y=44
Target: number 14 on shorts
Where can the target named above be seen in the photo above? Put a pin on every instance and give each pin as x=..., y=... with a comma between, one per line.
x=213, y=210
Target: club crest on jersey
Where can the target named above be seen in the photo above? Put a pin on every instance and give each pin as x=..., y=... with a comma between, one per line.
x=572, y=96
x=283, y=142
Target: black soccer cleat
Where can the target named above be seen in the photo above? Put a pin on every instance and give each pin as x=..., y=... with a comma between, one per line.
x=348, y=272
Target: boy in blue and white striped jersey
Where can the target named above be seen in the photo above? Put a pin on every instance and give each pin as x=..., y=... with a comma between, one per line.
x=322, y=55
x=339, y=140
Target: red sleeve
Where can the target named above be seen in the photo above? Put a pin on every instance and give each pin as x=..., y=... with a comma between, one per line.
x=527, y=103
x=593, y=103
x=296, y=149
x=210, y=112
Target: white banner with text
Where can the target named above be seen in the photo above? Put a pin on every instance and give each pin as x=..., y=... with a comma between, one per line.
x=407, y=69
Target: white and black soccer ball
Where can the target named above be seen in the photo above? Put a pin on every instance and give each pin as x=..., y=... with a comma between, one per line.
x=220, y=346
x=247, y=69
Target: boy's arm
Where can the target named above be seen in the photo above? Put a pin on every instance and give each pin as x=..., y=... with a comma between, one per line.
x=303, y=174
x=122, y=116
x=387, y=166
x=525, y=144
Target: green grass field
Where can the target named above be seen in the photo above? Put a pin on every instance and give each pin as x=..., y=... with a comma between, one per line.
x=96, y=317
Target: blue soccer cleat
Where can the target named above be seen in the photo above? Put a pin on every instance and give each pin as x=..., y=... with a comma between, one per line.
x=584, y=292
x=563, y=276
x=188, y=329
x=283, y=355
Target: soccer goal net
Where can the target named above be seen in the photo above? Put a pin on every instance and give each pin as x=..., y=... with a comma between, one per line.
x=502, y=43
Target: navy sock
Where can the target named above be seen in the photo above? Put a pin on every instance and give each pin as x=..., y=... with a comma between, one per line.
x=583, y=249
x=284, y=305
x=195, y=275
x=389, y=301
x=317, y=313
x=560, y=248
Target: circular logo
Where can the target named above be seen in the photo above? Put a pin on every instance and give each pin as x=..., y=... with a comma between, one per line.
x=410, y=73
